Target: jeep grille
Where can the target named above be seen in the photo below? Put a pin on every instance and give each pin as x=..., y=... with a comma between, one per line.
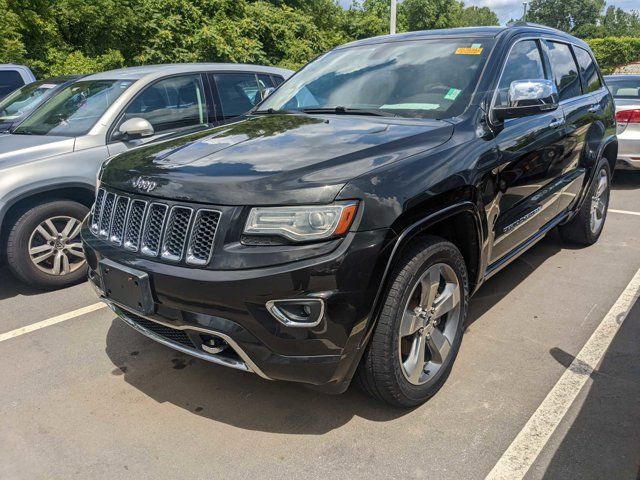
x=174, y=232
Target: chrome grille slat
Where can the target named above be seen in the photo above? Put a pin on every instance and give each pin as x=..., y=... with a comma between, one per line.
x=119, y=217
x=202, y=237
x=97, y=211
x=106, y=215
x=173, y=232
x=153, y=228
x=176, y=233
x=134, y=225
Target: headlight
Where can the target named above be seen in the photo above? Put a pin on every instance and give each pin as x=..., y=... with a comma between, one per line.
x=302, y=223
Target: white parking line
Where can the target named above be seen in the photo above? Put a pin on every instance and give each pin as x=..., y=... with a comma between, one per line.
x=526, y=447
x=51, y=321
x=625, y=212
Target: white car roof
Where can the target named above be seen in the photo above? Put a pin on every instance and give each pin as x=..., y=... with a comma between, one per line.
x=151, y=72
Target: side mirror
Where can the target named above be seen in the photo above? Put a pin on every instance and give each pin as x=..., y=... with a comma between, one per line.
x=136, y=128
x=528, y=97
x=266, y=92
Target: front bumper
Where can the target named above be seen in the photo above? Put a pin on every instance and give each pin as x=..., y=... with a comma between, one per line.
x=196, y=303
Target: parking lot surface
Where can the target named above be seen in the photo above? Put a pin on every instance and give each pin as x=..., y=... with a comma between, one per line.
x=87, y=397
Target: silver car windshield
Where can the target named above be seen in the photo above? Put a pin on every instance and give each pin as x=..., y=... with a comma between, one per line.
x=74, y=110
x=425, y=79
x=23, y=100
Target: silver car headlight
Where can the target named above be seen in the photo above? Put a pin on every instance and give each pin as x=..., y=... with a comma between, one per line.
x=302, y=224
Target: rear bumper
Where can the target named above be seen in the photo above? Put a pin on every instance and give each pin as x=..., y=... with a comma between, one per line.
x=629, y=149
x=231, y=305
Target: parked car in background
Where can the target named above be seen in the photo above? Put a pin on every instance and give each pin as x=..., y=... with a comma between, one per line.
x=49, y=162
x=626, y=93
x=13, y=77
x=17, y=105
x=341, y=227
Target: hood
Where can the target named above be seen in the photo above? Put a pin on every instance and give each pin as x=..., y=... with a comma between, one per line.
x=16, y=149
x=273, y=159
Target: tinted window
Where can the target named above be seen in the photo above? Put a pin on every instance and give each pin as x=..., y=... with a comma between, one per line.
x=424, y=79
x=170, y=104
x=9, y=81
x=588, y=70
x=524, y=63
x=23, y=100
x=75, y=109
x=624, y=88
x=565, y=71
x=238, y=92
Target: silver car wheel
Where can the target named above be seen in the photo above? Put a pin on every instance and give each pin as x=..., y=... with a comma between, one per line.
x=599, y=202
x=429, y=324
x=55, y=247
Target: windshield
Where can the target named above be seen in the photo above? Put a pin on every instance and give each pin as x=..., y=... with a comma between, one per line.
x=23, y=100
x=425, y=79
x=74, y=109
x=624, y=88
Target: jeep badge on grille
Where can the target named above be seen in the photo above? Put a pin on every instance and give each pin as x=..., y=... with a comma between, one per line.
x=144, y=184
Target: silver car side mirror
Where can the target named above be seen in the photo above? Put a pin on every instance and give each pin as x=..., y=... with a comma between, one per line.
x=529, y=97
x=136, y=127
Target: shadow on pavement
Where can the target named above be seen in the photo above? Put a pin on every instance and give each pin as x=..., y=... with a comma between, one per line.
x=249, y=402
x=626, y=180
x=12, y=287
x=604, y=438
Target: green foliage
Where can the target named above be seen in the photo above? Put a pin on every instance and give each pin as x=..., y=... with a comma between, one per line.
x=82, y=36
x=612, y=52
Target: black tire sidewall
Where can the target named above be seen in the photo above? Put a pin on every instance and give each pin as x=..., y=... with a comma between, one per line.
x=18, y=257
x=419, y=393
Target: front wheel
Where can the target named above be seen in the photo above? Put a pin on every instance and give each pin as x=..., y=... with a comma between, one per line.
x=44, y=248
x=419, y=330
x=585, y=228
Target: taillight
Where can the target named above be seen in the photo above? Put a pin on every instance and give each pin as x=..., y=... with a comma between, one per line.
x=628, y=116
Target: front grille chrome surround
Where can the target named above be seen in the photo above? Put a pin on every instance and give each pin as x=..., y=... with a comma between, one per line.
x=173, y=232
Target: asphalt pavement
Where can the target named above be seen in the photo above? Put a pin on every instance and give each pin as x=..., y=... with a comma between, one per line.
x=84, y=396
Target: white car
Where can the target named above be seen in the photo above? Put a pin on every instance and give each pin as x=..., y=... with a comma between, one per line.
x=626, y=93
x=13, y=77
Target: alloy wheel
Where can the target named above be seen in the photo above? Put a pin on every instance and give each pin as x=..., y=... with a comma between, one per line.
x=429, y=324
x=55, y=247
x=599, y=201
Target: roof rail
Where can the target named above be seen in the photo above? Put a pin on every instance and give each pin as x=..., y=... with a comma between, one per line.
x=519, y=23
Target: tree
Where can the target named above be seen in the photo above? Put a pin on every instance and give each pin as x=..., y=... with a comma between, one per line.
x=477, y=16
x=12, y=48
x=566, y=15
x=430, y=14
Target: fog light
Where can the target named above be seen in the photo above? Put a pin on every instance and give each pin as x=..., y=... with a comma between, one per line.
x=306, y=312
x=213, y=345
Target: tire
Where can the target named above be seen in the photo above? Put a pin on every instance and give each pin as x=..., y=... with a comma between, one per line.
x=49, y=249
x=386, y=370
x=581, y=229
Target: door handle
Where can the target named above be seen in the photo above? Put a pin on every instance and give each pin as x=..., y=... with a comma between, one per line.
x=556, y=122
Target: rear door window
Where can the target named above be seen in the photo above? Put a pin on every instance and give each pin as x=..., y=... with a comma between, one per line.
x=588, y=70
x=171, y=104
x=238, y=93
x=10, y=80
x=524, y=63
x=565, y=70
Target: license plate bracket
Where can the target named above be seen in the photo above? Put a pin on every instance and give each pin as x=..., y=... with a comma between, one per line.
x=127, y=287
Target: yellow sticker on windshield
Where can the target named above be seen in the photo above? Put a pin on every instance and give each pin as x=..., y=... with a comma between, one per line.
x=469, y=51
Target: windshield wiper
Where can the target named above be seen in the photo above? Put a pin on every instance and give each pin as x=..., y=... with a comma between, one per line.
x=351, y=111
x=273, y=111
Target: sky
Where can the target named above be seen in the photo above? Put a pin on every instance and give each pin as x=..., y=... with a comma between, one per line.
x=508, y=9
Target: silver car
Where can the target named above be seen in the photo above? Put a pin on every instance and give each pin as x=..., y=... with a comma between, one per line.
x=626, y=93
x=48, y=164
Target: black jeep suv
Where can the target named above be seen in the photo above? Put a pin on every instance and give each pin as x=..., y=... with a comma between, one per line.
x=338, y=230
